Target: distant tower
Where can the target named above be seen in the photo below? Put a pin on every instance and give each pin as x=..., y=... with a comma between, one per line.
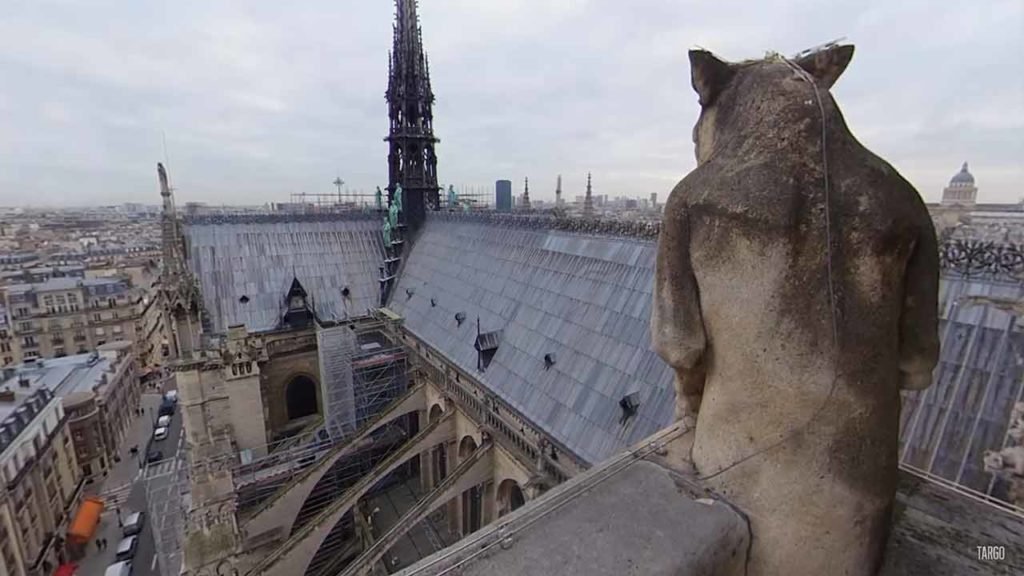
x=558, y=191
x=961, y=190
x=654, y=200
x=526, y=194
x=411, y=158
x=588, y=201
x=503, y=196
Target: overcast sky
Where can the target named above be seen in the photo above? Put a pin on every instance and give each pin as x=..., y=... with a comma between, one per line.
x=262, y=99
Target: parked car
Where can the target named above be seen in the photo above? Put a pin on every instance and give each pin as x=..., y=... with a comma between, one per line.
x=126, y=548
x=133, y=523
x=154, y=456
x=171, y=395
x=160, y=433
x=166, y=407
x=119, y=569
x=163, y=422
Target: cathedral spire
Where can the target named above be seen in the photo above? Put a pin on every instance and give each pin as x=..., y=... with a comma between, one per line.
x=170, y=237
x=526, y=194
x=588, y=201
x=412, y=162
x=558, y=191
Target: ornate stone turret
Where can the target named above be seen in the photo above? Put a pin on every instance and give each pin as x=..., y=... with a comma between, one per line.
x=178, y=291
x=411, y=159
x=170, y=236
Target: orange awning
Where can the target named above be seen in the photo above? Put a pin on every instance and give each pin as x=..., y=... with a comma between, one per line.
x=83, y=526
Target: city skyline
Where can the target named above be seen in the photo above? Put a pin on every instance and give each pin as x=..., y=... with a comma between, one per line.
x=257, y=102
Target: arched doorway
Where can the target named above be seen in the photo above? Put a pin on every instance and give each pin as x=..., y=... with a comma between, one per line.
x=472, y=499
x=510, y=497
x=300, y=397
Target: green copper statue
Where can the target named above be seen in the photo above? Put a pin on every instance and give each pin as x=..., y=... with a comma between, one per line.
x=387, y=233
x=393, y=214
x=398, y=197
x=379, y=198
x=453, y=200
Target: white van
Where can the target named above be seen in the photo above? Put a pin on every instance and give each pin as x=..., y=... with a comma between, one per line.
x=119, y=569
x=163, y=421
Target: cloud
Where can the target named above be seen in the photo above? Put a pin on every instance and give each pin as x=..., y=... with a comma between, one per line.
x=260, y=99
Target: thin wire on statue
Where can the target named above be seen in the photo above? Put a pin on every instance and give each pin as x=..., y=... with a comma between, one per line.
x=831, y=284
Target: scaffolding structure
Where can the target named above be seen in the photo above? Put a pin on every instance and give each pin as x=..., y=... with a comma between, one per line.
x=330, y=201
x=379, y=374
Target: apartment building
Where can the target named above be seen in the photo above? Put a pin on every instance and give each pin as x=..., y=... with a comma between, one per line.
x=64, y=316
x=99, y=392
x=40, y=482
x=6, y=346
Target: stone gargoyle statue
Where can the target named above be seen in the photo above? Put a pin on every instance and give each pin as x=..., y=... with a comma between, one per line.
x=795, y=295
x=1008, y=463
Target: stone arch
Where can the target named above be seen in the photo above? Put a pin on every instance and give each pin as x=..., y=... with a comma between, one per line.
x=510, y=496
x=472, y=499
x=466, y=447
x=438, y=454
x=301, y=397
x=435, y=413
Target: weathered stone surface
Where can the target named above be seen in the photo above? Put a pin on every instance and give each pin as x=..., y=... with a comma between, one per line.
x=937, y=531
x=795, y=424
x=627, y=516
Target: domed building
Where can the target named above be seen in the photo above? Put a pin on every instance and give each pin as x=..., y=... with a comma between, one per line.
x=961, y=190
x=960, y=215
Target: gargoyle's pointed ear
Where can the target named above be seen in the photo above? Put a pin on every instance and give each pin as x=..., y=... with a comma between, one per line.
x=709, y=75
x=827, y=65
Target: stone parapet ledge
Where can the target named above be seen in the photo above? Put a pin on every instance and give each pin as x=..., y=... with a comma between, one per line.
x=632, y=514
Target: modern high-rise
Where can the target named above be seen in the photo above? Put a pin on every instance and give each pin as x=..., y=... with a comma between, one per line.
x=503, y=195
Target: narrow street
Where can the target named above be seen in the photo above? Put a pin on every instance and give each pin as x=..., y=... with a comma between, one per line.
x=124, y=491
